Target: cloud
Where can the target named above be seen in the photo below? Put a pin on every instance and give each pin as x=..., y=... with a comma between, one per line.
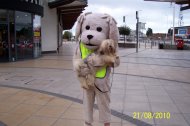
x=156, y=15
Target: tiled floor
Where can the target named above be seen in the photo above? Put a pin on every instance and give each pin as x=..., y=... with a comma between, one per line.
x=149, y=81
x=42, y=110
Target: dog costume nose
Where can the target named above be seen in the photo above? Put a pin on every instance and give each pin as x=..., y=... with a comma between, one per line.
x=90, y=37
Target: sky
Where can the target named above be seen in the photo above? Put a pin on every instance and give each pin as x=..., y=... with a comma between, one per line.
x=156, y=15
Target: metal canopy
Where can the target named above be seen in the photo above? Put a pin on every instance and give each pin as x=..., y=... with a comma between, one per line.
x=23, y=5
x=57, y=3
x=69, y=15
x=68, y=11
x=185, y=2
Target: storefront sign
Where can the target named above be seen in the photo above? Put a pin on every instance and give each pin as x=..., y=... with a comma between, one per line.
x=183, y=31
x=36, y=34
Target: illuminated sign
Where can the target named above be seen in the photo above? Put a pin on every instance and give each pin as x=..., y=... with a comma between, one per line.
x=37, y=34
x=182, y=31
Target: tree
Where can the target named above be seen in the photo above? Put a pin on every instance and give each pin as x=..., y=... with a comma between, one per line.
x=67, y=35
x=149, y=32
x=123, y=30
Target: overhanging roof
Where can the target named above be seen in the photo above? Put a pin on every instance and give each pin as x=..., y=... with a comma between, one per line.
x=68, y=10
x=23, y=5
x=186, y=2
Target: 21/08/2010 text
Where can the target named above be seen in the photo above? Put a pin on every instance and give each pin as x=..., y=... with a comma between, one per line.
x=151, y=115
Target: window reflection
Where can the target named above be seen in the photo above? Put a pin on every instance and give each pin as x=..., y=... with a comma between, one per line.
x=24, y=35
x=4, y=50
x=3, y=16
x=12, y=36
x=20, y=35
x=37, y=35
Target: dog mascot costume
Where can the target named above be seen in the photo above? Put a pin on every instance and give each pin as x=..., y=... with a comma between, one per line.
x=91, y=30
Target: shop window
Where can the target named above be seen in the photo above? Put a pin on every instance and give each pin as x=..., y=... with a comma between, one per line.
x=4, y=48
x=37, y=35
x=3, y=16
x=12, y=49
x=24, y=35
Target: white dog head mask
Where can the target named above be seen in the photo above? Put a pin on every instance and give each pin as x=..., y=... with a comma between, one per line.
x=93, y=28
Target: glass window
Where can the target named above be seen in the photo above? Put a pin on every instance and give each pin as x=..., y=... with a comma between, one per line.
x=3, y=16
x=24, y=35
x=4, y=47
x=23, y=18
x=37, y=35
x=12, y=35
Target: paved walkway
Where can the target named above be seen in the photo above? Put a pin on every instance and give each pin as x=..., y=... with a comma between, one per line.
x=20, y=107
x=149, y=81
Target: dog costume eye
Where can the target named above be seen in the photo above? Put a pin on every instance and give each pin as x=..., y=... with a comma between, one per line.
x=87, y=27
x=99, y=29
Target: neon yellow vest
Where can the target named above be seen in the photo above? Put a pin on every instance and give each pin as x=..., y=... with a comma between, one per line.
x=84, y=53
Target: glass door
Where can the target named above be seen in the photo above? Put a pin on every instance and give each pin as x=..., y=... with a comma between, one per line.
x=4, y=46
x=24, y=35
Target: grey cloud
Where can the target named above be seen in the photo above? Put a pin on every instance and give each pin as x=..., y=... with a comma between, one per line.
x=156, y=15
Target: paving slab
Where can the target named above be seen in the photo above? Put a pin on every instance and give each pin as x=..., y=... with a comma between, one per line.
x=152, y=80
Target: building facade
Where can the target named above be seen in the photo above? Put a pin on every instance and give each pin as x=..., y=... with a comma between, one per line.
x=30, y=27
x=183, y=32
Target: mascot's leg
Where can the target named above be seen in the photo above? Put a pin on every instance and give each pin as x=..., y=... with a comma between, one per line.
x=88, y=103
x=103, y=102
x=90, y=80
x=83, y=82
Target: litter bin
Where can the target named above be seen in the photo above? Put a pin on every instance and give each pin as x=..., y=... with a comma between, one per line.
x=161, y=45
x=180, y=44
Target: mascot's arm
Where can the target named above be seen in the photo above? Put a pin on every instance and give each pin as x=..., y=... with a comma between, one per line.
x=76, y=59
x=117, y=62
x=78, y=66
x=97, y=61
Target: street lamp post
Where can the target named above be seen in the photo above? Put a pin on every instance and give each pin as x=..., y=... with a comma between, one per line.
x=125, y=26
x=173, y=37
x=137, y=31
x=124, y=21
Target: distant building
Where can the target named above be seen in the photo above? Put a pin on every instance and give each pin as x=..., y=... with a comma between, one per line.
x=158, y=36
x=183, y=32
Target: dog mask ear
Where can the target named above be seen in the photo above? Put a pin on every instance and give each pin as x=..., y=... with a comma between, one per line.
x=113, y=29
x=78, y=26
x=80, y=20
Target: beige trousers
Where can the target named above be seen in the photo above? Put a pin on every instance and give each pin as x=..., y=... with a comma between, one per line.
x=103, y=103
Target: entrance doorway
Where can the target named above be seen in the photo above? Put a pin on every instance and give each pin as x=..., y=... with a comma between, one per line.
x=20, y=35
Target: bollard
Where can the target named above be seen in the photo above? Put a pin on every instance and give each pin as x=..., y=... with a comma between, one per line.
x=145, y=44
x=151, y=44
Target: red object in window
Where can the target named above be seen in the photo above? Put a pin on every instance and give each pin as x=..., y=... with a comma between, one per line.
x=22, y=46
x=30, y=46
